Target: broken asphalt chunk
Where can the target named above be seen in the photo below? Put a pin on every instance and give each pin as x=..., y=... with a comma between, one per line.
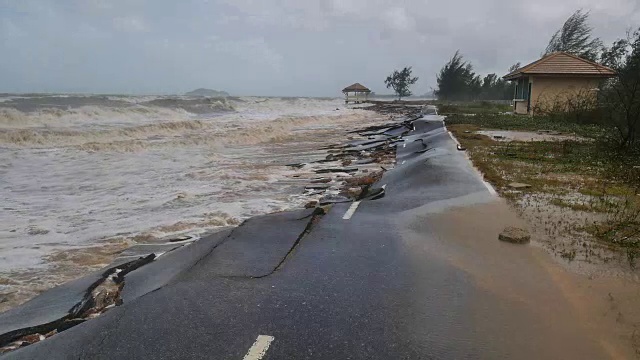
x=296, y=165
x=333, y=199
x=336, y=170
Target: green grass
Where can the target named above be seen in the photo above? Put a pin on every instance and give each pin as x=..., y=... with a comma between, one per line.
x=608, y=181
x=471, y=107
x=496, y=121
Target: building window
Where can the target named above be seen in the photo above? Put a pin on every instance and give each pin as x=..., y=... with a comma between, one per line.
x=522, y=89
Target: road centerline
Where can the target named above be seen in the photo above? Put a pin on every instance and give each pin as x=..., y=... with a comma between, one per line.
x=352, y=209
x=259, y=348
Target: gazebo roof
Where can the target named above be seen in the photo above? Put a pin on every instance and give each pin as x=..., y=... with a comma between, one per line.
x=562, y=64
x=357, y=87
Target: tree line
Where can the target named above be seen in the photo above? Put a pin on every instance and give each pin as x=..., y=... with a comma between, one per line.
x=617, y=104
x=458, y=81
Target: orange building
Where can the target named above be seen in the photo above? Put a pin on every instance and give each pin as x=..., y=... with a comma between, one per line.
x=555, y=79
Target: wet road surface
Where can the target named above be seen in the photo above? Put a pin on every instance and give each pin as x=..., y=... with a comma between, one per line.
x=417, y=274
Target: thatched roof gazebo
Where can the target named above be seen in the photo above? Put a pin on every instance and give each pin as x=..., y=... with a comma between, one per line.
x=359, y=91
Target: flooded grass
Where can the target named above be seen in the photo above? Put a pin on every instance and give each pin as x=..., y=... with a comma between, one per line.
x=477, y=107
x=586, y=200
x=496, y=121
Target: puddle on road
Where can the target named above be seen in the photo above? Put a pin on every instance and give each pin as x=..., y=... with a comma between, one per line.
x=524, y=304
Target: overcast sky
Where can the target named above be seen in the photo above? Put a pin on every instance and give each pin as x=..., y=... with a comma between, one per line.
x=273, y=47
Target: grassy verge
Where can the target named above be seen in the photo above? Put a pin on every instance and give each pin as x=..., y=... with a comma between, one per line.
x=526, y=123
x=475, y=107
x=581, y=191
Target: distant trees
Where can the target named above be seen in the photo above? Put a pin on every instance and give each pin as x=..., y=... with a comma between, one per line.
x=575, y=38
x=495, y=88
x=400, y=81
x=454, y=78
x=514, y=67
x=618, y=101
x=620, y=97
x=457, y=81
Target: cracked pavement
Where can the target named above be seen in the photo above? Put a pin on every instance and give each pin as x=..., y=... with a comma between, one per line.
x=389, y=282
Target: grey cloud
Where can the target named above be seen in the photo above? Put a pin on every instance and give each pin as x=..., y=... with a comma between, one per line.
x=273, y=47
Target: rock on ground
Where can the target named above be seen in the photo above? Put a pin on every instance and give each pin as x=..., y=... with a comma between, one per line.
x=515, y=235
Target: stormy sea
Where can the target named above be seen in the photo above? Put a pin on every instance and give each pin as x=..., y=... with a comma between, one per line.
x=83, y=176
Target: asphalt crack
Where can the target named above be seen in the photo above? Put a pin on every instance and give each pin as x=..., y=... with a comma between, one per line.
x=101, y=296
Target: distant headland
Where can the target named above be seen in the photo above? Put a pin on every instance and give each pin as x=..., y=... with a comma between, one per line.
x=207, y=93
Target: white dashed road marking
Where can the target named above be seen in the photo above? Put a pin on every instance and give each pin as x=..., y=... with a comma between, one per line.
x=352, y=209
x=259, y=348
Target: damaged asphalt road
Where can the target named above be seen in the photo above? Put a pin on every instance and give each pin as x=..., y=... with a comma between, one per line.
x=317, y=284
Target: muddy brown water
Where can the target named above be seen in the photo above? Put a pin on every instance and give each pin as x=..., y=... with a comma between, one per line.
x=525, y=305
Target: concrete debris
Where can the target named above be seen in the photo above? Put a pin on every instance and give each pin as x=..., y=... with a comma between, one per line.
x=180, y=238
x=26, y=341
x=101, y=296
x=311, y=204
x=373, y=194
x=333, y=199
x=514, y=235
x=105, y=294
x=363, y=158
x=317, y=187
x=364, y=161
x=354, y=192
x=396, y=108
x=296, y=165
x=336, y=170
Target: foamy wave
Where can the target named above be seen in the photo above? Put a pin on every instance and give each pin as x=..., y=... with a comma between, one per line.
x=53, y=117
x=63, y=138
x=278, y=130
x=174, y=134
x=195, y=106
x=165, y=109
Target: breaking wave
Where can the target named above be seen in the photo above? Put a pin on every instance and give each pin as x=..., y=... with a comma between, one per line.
x=150, y=111
x=78, y=171
x=194, y=106
x=200, y=132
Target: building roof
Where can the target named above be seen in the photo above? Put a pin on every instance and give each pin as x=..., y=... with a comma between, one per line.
x=357, y=87
x=562, y=64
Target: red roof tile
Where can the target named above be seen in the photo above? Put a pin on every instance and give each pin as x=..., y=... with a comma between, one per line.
x=561, y=63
